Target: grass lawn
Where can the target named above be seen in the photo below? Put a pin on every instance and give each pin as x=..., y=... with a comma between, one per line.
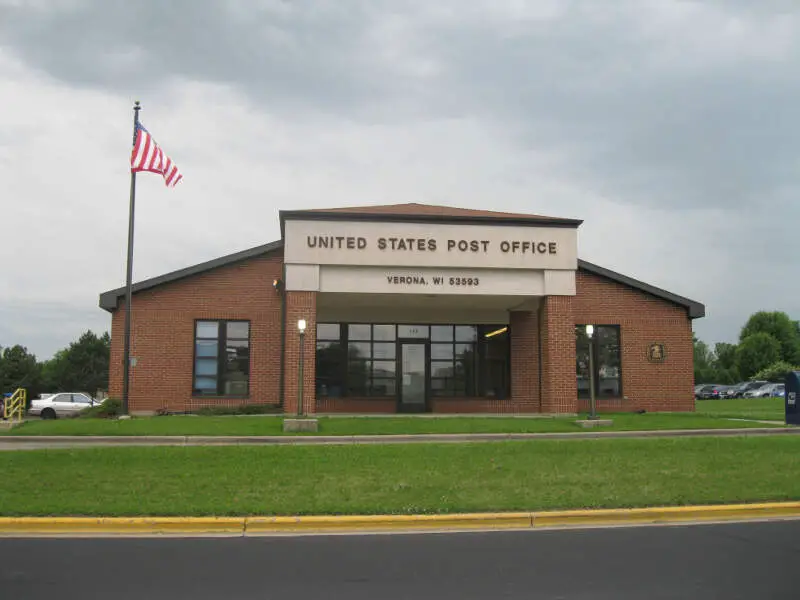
x=399, y=479
x=746, y=408
x=272, y=425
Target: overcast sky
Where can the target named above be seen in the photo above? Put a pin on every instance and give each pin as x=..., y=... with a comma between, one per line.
x=671, y=127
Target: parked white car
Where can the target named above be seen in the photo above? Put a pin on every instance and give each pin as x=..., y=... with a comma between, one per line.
x=62, y=404
x=770, y=390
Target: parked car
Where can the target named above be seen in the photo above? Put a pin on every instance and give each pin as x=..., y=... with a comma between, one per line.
x=733, y=391
x=61, y=404
x=747, y=386
x=709, y=391
x=768, y=390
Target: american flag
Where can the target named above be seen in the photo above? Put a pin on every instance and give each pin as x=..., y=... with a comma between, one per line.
x=148, y=156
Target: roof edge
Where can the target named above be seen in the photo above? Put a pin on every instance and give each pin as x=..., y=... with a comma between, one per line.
x=694, y=309
x=110, y=300
x=422, y=218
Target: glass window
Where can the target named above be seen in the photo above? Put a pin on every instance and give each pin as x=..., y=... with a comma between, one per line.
x=81, y=399
x=607, y=361
x=441, y=351
x=383, y=368
x=442, y=369
x=465, y=360
x=461, y=374
x=205, y=367
x=357, y=350
x=330, y=369
x=441, y=333
x=238, y=329
x=205, y=384
x=384, y=332
x=466, y=333
x=222, y=358
x=384, y=351
x=207, y=348
x=328, y=331
x=359, y=332
x=365, y=366
x=207, y=329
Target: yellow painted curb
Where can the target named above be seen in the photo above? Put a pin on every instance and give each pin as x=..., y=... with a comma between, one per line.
x=389, y=522
x=120, y=525
x=669, y=514
x=75, y=526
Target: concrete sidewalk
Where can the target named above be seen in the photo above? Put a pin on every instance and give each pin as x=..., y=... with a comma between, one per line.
x=38, y=442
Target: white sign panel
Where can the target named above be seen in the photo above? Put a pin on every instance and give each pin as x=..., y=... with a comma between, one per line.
x=479, y=282
x=430, y=245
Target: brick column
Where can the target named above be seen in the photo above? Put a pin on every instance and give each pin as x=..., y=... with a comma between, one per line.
x=524, y=330
x=560, y=388
x=300, y=305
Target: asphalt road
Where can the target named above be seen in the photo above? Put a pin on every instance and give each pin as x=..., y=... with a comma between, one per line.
x=755, y=560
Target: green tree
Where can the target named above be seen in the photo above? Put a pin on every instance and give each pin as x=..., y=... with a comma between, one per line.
x=19, y=369
x=781, y=327
x=757, y=351
x=704, y=371
x=83, y=366
x=726, y=355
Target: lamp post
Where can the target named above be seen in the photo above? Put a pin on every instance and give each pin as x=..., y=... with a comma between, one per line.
x=301, y=328
x=592, y=399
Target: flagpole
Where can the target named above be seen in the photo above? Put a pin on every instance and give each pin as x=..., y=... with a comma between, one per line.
x=126, y=364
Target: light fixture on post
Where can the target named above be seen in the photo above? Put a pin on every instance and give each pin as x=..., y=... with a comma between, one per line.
x=592, y=399
x=301, y=328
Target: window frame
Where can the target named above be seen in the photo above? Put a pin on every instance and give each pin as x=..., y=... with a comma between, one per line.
x=221, y=358
x=370, y=360
x=455, y=390
x=595, y=349
x=475, y=389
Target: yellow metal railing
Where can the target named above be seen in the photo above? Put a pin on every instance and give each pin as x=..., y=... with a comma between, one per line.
x=14, y=407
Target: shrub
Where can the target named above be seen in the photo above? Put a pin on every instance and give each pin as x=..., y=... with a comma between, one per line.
x=111, y=407
x=776, y=371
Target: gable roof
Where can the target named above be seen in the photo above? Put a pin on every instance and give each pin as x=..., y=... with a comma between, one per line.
x=110, y=300
x=695, y=309
x=413, y=212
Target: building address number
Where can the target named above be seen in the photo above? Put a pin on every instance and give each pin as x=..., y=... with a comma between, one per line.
x=464, y=281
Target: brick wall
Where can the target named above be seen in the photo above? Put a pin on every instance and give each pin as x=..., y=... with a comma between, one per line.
x=300, y=305
x=524, y=332
x=162, y=335
x=352, y=405
x=643, y=320
x=559, y=384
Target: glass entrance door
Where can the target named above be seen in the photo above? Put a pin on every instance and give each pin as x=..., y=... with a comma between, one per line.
x=413, y=377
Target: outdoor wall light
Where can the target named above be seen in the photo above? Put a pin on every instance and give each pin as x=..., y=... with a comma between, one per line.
x=301, y=327
x=592, y=397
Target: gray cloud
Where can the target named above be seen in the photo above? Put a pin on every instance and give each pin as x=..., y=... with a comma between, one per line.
x=649, y=105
